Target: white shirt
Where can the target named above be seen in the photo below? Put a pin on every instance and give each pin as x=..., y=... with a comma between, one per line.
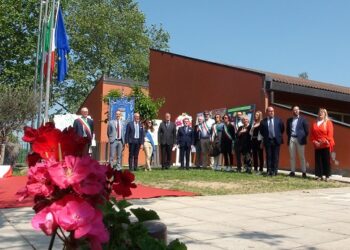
x=294, y=126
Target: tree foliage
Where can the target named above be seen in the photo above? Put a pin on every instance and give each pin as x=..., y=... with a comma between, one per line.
x=304, y=75
x=17, y=106
x=107, y=37
x=18, y=36
x=144, y=104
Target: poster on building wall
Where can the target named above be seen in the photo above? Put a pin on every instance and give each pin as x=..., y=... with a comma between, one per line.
x=125, y=105
x=220, y=112
x=248, y=110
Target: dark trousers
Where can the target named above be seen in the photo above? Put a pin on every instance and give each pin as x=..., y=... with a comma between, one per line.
x=185, y=152
x=226, y=150
x=166, y=155
x=322, y=162
x=134, y=149
x=272, y=156
x=258, y=156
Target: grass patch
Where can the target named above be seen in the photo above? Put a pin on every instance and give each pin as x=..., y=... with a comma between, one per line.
x=208, y=182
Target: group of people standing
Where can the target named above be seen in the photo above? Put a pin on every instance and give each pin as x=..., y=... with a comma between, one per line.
x=219, y=139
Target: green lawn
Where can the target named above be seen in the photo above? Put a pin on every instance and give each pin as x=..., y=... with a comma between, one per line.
x=209, y=182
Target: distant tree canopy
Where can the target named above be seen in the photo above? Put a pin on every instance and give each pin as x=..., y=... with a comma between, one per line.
x=304, y=75
x=107, y=37
x=17, y=106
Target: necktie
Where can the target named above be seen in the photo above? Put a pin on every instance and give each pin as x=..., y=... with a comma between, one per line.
x=136, y=131
x=118, y=128
x=167, y=124
x=271, y=130
x=186, y=129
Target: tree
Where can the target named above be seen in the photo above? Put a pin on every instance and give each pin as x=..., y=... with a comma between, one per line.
x=144, y=104
x=17, y=106
x=304, y=75
x=18, y=35
x=107, y=38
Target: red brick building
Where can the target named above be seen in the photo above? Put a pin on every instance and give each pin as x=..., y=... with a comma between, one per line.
x=192, y=85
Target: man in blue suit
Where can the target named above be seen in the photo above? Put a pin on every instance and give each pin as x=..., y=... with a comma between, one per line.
x=116, y=137
x=185, y=140
x=297, y=132
x=272, y=129
x=134, y=139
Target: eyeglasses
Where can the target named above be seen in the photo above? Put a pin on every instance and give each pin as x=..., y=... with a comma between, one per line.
x=225, y=117
x=206, y=114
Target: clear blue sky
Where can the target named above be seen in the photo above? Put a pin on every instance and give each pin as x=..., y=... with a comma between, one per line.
x=281, y=36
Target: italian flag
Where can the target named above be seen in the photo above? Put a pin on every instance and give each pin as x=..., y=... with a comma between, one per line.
x=47, y=40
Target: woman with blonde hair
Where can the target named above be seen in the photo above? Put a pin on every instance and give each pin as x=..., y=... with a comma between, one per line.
x=258, y=156
x=148, y=145
x=323, y=141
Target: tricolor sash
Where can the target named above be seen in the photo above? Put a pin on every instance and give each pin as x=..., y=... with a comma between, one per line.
x=86, y=127
x=227, y=133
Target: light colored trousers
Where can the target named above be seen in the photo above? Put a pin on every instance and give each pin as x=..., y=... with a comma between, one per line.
x=116, y=147
x=295, y=146
x=205, y=143
x=147, y=147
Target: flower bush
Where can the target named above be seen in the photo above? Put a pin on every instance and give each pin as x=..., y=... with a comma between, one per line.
x=72, y=196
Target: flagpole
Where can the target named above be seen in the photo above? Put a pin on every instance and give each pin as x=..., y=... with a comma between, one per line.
x=48, y=72
x=35, y=85
x=42, y=63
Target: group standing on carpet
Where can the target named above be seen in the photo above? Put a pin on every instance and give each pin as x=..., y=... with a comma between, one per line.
x=220, y=139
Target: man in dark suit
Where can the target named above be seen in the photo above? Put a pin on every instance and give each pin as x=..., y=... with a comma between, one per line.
x=272, y=129
x=116, y=136
x=134, y=139
x=185, y=140
x=166, y=140
x=297, y=132
x=84, y=127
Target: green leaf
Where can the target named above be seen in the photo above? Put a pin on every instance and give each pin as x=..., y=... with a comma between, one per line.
x=144, y=215
x=176, y=245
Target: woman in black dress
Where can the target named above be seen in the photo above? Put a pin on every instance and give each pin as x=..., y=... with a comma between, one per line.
x=258, y=156
x=244, y=145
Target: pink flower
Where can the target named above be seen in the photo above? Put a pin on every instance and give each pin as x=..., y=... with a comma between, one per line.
x=95, y=182
x=44, y=220
x=72, y=170
x=39, y=181
x=74, y=214
x=98, y=234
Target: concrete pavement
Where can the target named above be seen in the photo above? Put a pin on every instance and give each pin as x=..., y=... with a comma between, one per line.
x=312, y=219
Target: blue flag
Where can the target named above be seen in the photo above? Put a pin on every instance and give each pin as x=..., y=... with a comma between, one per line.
x=62, y=47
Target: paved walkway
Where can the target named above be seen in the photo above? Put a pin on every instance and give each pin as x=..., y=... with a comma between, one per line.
x=313, y=219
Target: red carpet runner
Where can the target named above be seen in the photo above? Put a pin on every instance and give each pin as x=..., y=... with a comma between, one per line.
x=9, y=187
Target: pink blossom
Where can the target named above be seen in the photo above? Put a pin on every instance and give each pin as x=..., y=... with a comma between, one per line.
x=94, y=183
x=98, y=234
x=44, y=220
x=74, y=214
x=72, y=170
x=39, y=181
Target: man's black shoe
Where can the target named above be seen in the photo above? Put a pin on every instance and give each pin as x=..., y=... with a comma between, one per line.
x=304, y=175
x=291, y=174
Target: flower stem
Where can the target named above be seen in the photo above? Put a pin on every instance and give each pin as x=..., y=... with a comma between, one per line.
x=52, y=239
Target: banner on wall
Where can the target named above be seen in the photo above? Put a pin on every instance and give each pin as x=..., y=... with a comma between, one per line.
x=125, y=105
x=248, y=110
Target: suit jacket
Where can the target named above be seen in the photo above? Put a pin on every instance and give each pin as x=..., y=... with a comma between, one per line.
x=167, y=135
x=130, y=134
x=183, y=138
x=278, y=128
x=79, y=129
x=112, y=130
x=302, y=130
